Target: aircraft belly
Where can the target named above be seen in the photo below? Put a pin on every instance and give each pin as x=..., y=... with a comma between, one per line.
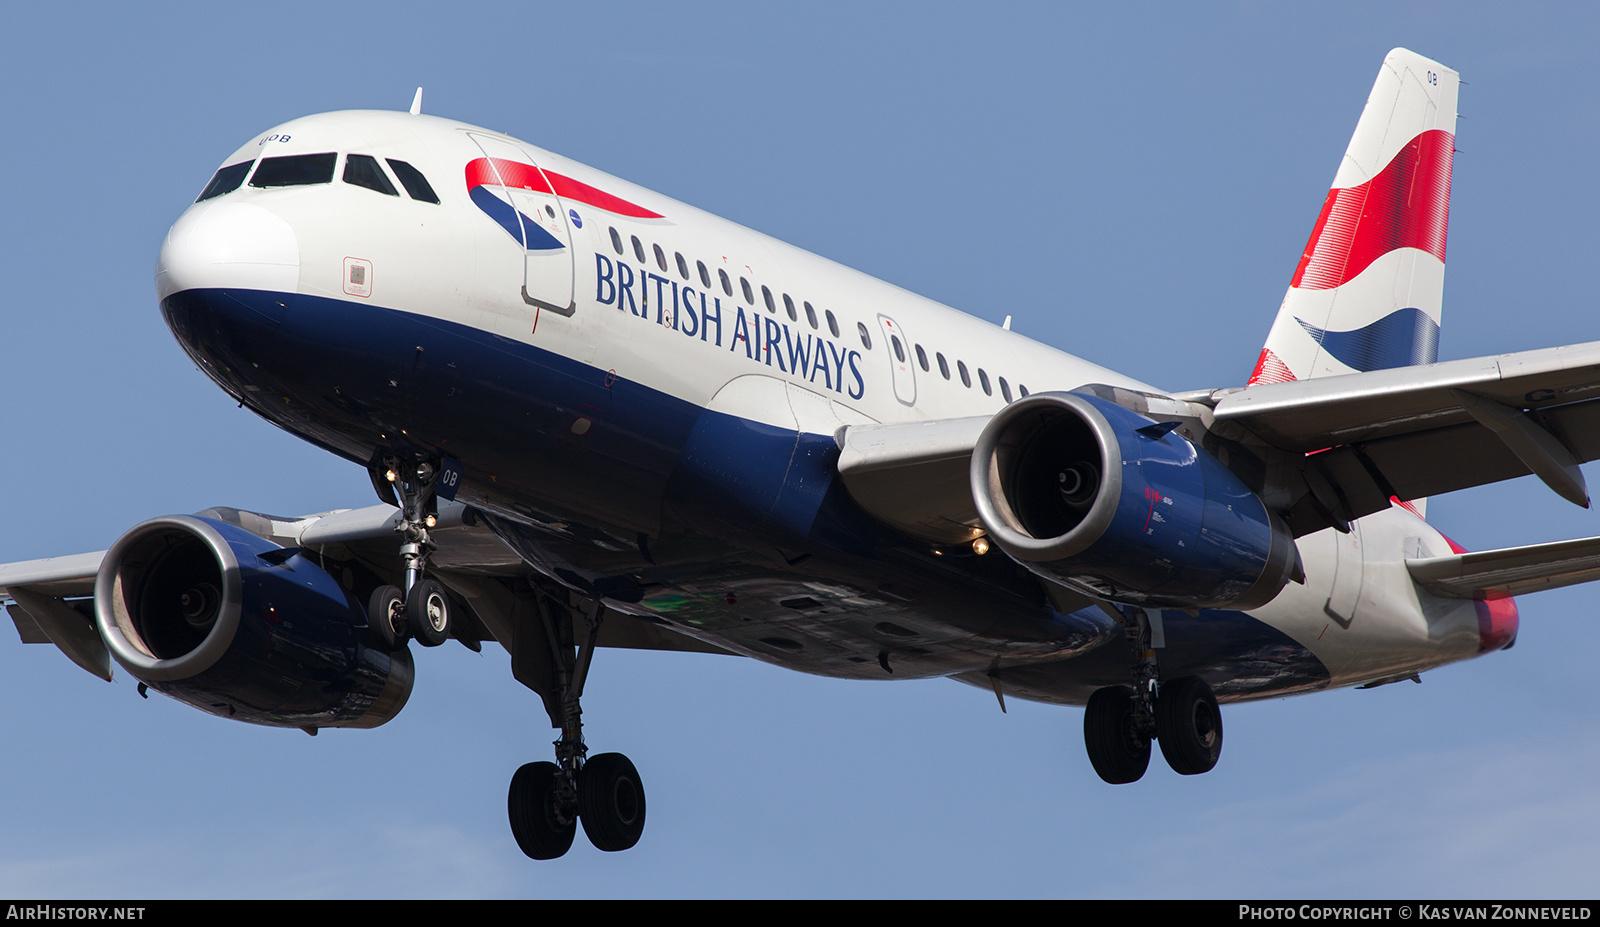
x=1240, y=656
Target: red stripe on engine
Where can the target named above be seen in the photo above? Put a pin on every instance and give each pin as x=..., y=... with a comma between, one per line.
x=1407, y=205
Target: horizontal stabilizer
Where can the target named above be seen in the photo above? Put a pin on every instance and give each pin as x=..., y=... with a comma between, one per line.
x=1498, y=574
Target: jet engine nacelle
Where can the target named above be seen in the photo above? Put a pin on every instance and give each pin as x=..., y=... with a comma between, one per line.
x=233, y=624
x=1100, y=499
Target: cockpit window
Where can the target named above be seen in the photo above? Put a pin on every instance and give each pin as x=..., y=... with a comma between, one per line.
x=363, y=171
x=294, y=170
x=413, y=181
x=225, y=180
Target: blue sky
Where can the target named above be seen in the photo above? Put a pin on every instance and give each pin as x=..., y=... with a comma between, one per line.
x=1132, y=186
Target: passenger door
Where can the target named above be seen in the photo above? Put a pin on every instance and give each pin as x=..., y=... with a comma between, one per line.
x=535, y=216
x=898, y=347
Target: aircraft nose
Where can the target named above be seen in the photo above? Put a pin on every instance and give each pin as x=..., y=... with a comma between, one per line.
x=228, y=244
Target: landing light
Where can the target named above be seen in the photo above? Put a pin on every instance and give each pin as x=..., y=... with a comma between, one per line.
x=432, y=521
x=980, y=546
x=390, y=475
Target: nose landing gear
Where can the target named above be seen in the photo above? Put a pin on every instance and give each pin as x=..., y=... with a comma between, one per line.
x=420, y=609
x=1181, y=714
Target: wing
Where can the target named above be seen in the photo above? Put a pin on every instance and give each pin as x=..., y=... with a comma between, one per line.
x=51, y=599
x=1321, y=452
x=1408, y=432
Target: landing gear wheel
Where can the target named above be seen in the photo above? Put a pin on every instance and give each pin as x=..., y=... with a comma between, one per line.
x=386, y=616
x=611, y=802
x=428, y=613
x=1189, y=726
x=542, y=831
x=1119, y=753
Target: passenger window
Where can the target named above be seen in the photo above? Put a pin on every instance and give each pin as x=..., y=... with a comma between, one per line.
x=705, y=278
x=616, y=242
x=922, y=357
x=866, y=340
x=833, y=323
x=749, y=296
x=766, y=296
x=983, y=380
x=363, y=171
x=295, y=170
x=727, y=285
x=225, y=180
x=899, y=352
x=638, y=249
x=966, y=378
x=811, y=316
x=661, y=258
x=944, y=368
x=416, y=185
x=1005, y=389
x=1022, y=389
x=683, y=266
x=788, y=306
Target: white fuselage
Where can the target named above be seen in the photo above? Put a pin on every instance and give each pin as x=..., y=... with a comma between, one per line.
x=852, y=349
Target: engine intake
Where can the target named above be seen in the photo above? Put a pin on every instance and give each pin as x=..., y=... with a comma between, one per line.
x=235, y=625
x=1101, y=499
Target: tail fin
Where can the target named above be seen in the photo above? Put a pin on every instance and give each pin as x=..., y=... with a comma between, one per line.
x=1368, y=290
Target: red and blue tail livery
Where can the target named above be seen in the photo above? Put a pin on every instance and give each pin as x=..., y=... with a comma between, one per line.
x=1378, y=239
x=1406, y=206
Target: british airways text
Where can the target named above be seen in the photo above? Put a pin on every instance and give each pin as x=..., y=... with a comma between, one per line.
x=699, y=315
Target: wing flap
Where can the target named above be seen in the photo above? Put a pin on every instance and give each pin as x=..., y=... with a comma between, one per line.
x=1509, y=571
x=68, y=628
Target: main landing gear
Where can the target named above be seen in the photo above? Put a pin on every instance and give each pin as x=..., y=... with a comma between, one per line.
x=1181, y=714
x=547, y=801
x=421, y=609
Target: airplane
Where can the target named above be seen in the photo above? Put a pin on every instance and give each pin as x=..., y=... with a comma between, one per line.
x=597, y=417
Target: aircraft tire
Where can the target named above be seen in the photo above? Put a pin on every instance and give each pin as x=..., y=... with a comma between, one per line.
x=536, y=823
x=1189, y=726
x=387, y=603
x=428, y=613
x=1118, y=752
x=611, y=802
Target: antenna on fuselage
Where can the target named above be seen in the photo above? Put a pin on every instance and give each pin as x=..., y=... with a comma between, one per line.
x=416, y=103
